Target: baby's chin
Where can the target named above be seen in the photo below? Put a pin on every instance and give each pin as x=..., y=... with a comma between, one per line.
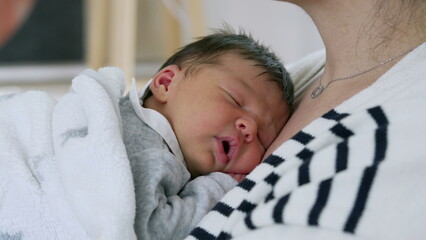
x=245, y=168
x=196, y=172
x=238, y=177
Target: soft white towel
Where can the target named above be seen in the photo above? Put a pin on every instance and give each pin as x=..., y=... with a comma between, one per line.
x=64, y=172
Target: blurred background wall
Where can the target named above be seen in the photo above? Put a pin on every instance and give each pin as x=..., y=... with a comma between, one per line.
x=44, y=43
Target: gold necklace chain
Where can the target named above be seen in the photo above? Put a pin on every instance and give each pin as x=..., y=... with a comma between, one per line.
x=320, y=88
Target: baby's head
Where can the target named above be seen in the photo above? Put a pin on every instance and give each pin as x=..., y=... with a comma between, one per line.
x=226, y=97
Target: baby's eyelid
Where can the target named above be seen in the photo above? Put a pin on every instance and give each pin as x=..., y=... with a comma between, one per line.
x=235, y=99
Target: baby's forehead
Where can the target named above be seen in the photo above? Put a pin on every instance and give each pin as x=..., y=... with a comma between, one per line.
x=272, y=94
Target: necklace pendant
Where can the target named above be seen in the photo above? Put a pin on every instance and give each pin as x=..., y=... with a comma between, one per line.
x=317, y=91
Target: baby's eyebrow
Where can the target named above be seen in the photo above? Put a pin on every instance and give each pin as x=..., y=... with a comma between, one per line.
x=244, y=86
x=241, y=90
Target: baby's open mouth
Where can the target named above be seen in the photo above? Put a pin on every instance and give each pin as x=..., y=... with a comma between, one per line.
x=225, y=147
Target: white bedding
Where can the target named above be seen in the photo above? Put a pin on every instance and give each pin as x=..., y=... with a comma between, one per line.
x=64, y=172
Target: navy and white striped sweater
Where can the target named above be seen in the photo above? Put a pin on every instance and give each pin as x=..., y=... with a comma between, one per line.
x=358, y=172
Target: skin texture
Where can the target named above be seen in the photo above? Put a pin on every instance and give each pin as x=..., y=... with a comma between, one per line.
x=357, y=35
x=227, y=102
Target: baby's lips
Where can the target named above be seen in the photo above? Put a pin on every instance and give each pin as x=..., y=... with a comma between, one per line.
x=232, y=146
x=222, y=157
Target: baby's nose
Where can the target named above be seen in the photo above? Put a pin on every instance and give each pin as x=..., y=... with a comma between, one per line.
x=248, y=129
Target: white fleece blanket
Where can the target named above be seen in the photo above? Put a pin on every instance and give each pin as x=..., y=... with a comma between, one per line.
x=64, y=172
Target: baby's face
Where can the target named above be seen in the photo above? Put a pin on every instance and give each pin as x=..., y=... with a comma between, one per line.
x=226, y=115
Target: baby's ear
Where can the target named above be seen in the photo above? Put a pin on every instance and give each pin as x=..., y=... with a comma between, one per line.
x=161, y=82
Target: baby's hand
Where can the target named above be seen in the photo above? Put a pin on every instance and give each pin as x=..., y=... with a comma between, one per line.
x=237, y=176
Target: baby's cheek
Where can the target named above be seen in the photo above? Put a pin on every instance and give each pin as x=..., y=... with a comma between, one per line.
x=251, y=160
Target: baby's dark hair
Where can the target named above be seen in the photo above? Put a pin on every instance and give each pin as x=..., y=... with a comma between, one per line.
x=208, y=49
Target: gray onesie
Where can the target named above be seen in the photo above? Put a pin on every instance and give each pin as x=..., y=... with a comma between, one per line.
x=168, y=203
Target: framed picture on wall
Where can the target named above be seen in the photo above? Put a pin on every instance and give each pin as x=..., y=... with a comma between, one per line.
x=43, y=34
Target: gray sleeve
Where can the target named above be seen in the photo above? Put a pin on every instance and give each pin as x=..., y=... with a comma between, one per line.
x=168, y=204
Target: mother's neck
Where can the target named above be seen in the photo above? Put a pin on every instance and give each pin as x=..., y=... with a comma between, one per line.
x=358, y=36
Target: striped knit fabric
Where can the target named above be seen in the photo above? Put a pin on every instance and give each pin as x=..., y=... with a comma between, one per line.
x=357, y=173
